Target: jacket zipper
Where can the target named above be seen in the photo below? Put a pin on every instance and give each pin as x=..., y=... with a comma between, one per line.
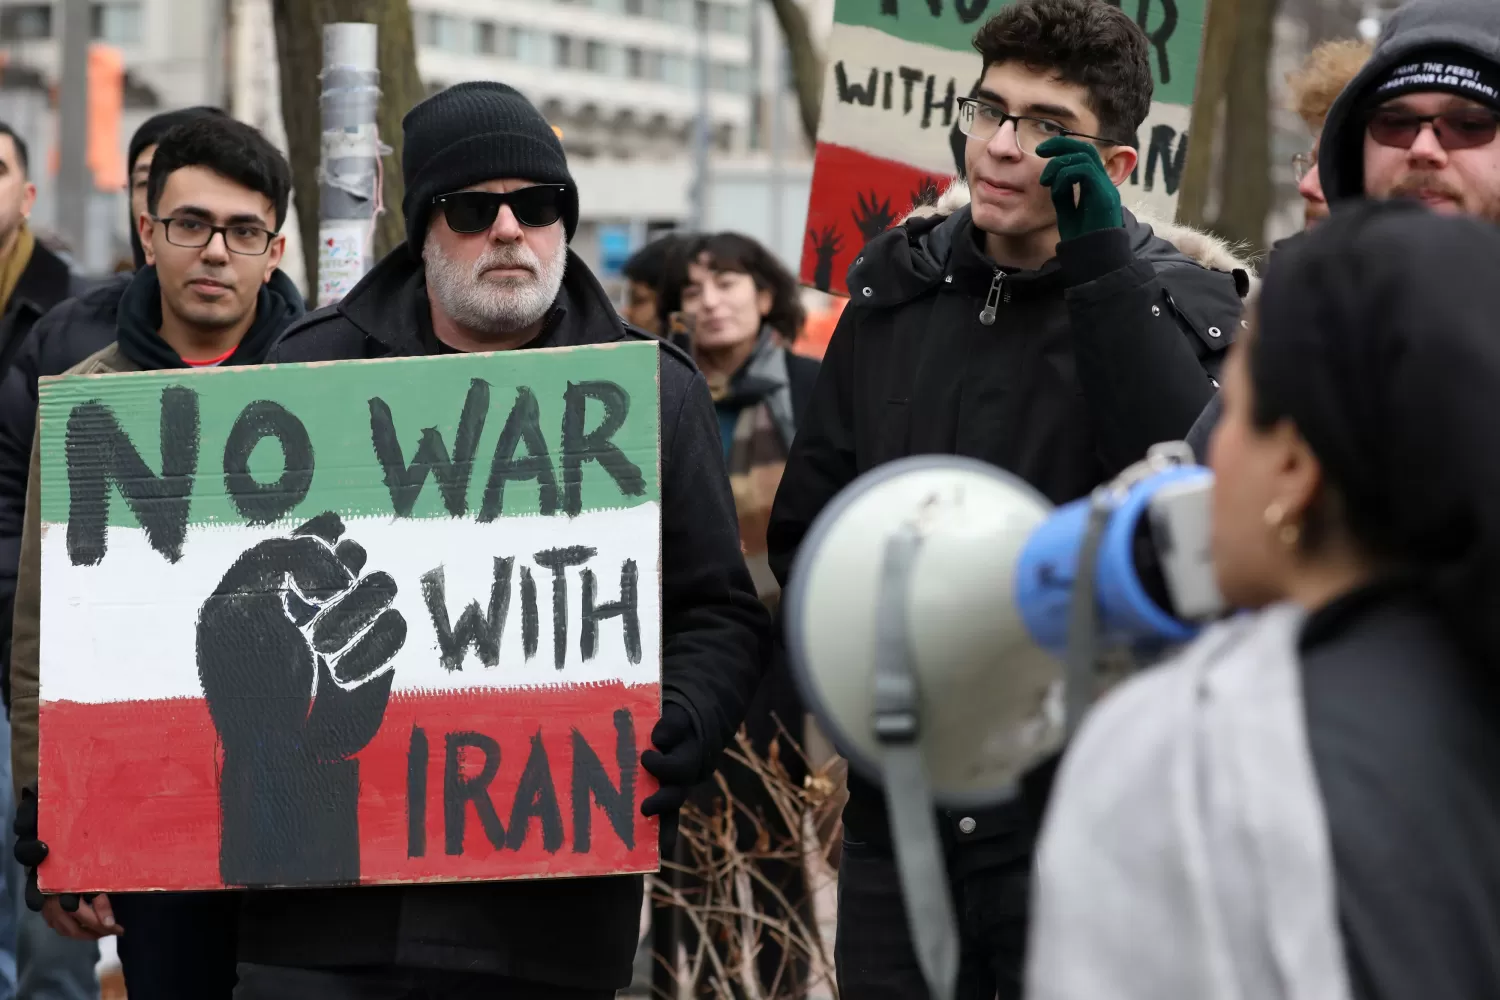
x=993, y=299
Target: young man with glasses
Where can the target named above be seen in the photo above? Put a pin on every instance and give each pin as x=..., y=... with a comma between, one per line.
x=1041, y=328
x=490, y=206
x=210, y=294
x=1419, y=121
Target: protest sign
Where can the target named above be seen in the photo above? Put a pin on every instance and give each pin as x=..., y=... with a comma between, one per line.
x=888, y=134
x=350, y=623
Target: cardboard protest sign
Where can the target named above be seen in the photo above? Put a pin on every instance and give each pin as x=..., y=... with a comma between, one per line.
x=362, y=622
x=888, y=134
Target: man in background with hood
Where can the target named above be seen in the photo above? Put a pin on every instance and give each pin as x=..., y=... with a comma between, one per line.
x=1419, y=121
x=211, y=294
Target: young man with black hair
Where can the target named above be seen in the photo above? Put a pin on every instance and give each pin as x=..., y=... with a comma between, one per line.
x=210, y=294
x=644, y=273
x=1039, y=327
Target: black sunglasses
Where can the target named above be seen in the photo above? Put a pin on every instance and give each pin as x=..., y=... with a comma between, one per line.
x=1461, y=128
x=475, y=211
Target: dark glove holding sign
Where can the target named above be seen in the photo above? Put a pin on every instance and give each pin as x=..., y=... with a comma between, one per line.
x=679, y=761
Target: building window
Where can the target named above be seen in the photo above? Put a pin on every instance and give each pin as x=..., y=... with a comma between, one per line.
x=486, y=38
x=727, y=78
x=596, y=58
x=116, y=23
x=675, y=70
x=446, y=32
x=27, y=22
x=634, y=63
x=563, y=55
x=675, y=11
x=531, y=47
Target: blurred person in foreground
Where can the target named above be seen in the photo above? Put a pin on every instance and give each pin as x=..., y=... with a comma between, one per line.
x=745, y=310
x=211, y=294
x=1315, y=85
x=1312, y=805
x=1418, y=122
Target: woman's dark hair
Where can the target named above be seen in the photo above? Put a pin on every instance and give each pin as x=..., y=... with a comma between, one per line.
x=230, y=149
x=1376, y=339
x=1088, y=43
x=648, y=265
x=721, y=252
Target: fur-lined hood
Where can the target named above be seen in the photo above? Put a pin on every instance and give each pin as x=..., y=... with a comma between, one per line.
x=1204, y=248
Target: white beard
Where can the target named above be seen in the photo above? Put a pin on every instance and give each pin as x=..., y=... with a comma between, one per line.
x=491, y=306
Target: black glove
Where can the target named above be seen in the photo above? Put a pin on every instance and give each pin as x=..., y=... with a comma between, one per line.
x=31, y=852
x=679, y=761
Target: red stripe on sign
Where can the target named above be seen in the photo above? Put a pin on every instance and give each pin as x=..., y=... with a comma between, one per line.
x=855, y=197
x=131, y=791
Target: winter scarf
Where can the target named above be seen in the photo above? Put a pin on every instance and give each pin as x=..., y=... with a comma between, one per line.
x=14, y=265
x=1185, y=854
x=277, y=306
x=760, y=394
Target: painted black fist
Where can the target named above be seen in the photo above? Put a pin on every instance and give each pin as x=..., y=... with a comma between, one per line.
x=294, y=653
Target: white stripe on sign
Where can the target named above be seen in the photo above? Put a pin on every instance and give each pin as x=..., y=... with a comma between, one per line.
x=126, y=629
x=898, y=100
x=893, y=98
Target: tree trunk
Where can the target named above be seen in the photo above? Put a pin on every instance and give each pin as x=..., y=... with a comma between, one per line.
x=1219, y=30
x=807, y=63
x=1247, y=143
x=299, y=56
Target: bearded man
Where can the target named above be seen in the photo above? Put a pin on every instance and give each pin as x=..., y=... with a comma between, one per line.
x=490, y=206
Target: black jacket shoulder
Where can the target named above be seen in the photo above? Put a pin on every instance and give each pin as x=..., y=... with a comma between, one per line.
x=1401, y=730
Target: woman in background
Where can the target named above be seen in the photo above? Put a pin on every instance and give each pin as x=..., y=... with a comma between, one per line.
x=1306, y=802
x=744, y=309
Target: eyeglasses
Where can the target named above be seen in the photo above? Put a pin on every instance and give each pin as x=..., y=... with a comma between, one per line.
x=1303, y=163
x=250, y=241
x=1461, y=128
x=981, y=121
x=475, y=211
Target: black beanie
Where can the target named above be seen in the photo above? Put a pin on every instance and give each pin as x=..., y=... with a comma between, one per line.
x=476, y=132
x=1445, y=68
x=149, y=134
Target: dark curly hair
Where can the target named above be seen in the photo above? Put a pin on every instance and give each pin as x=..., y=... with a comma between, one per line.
x=721, y=252
x=1088, y=43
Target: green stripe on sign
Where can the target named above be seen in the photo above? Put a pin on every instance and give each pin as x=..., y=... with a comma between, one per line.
x=1175, y=28
x=471, y=435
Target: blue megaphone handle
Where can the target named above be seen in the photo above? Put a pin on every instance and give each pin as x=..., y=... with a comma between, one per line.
x=1048, y=566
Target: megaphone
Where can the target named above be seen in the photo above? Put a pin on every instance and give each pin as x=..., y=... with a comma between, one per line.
x=945, y=623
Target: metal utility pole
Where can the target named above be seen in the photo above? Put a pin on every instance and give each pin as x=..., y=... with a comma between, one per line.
x=74, y=185
x=349, y=166
x=698, y=218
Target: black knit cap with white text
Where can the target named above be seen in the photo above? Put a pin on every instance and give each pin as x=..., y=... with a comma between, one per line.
x=1445, y=70
x=471, y=133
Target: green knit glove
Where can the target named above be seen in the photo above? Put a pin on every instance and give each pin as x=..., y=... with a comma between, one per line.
x=1098, y=205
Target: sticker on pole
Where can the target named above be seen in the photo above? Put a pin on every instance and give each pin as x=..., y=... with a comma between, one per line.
x=889, y=140
x=352, y=623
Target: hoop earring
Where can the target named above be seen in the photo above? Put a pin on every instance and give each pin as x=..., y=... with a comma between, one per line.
x=1288, y=534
